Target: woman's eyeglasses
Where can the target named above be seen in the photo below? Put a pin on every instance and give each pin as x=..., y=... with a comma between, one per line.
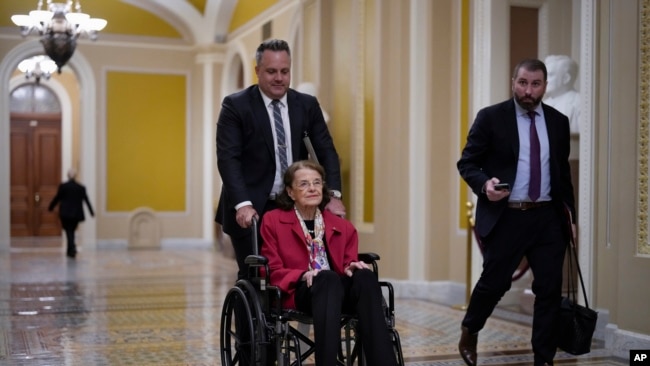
x=303, y=185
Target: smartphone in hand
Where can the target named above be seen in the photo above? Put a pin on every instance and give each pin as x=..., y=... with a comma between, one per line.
x=502, y=187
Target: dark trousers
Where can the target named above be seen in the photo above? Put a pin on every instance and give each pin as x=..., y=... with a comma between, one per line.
x=536, y=234
x=243, y=245
x=70, y=226
x=332, y=294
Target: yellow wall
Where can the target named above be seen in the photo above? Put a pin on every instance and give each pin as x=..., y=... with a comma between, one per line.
x=145, y=139
x=369, y=71
x=247, y=10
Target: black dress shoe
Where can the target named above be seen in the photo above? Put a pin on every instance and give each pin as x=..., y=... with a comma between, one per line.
x=467, y=346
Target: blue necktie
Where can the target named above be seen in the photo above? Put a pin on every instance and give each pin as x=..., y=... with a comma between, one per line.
x=535, y=165
x=280, y=136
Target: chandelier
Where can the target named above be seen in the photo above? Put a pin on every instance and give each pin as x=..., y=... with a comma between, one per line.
x=37, y=67
x=59, y=27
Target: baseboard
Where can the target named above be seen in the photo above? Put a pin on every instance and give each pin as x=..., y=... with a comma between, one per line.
x=620, y=342
x=442, y=292
x=168, y=243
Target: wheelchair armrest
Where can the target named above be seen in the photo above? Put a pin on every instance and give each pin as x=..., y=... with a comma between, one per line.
x=255, y=262
x=258, y=260
x=369, y=257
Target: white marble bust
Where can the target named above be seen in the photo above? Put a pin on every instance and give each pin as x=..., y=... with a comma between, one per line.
x=560, y=91
x=310, y=88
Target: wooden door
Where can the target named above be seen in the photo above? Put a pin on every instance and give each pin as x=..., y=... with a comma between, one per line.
x=35, y=173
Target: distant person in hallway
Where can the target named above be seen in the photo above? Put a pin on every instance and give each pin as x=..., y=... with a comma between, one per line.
x=313, y=258
x=249, y=154
x=560, y=92
x=524, y=143
x=71, y=196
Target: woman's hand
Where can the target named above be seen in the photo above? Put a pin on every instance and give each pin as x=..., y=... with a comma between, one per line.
x=309, y=276
x=353, y=266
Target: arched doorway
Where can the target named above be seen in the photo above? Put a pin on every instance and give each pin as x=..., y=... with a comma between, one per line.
x=88, y=121
x=35, y=143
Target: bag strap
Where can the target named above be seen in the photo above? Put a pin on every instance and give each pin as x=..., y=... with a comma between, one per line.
x=571, y=284
x=573, y=258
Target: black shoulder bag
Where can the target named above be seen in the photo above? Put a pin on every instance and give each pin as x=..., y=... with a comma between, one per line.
x=576, y=323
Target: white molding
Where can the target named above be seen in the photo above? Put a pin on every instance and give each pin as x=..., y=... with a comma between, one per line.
x=88, y=139
x=587, y=170
x=165, y=243
x=209, y=157
x=66, y=117
x=544, y=21
x=194, y=26
x=296, y=37
x=219, y=12
x=440, y=292
x=620, y=342
x=358, y=140
x=236, y=52
x=481, y=44
x=419, y=131
x=140, y=42
x=87, y=127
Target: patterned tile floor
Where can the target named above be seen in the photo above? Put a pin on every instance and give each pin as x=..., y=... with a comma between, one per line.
x=149, y=307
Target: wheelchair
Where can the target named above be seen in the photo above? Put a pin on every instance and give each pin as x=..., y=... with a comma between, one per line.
x=253, y=323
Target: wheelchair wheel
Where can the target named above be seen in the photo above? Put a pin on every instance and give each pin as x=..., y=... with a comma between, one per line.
x=397, y=347
x=243, y=328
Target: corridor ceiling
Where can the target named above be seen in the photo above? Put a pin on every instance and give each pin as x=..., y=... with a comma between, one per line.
x=190, y=21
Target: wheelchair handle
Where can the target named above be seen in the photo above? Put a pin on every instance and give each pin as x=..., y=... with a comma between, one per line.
x=256, y=248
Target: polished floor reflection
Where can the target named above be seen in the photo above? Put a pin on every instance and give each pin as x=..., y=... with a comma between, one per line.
x=162, y=307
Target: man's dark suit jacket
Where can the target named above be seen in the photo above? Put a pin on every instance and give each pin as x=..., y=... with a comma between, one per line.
x=492, y=150
x=71, y=195
x=246, y=154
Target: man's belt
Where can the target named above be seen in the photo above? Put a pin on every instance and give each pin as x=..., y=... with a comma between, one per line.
x=524, y=205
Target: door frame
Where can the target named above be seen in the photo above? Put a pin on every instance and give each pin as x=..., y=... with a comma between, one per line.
x=88, y=123
x=66, y=118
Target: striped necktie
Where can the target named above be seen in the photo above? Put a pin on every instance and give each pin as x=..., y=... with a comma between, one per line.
x=280, y=136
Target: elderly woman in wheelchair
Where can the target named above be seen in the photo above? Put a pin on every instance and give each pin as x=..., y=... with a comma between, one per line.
x=313, y=260
x=309, y=273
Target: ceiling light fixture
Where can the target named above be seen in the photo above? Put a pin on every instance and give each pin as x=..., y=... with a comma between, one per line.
x=38, y=67
x=59, y=27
